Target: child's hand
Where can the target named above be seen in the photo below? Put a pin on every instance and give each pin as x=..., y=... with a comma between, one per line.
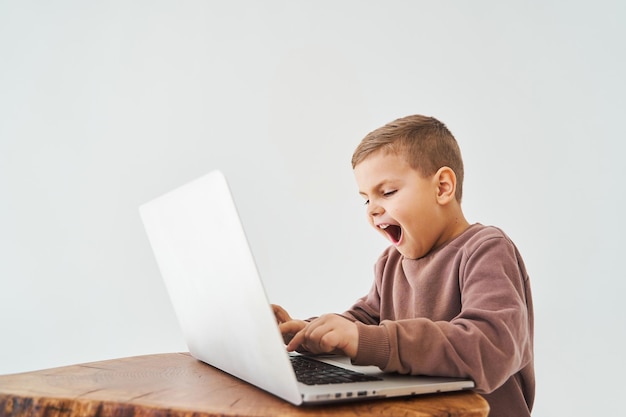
x=288, y=327
x=327, y=334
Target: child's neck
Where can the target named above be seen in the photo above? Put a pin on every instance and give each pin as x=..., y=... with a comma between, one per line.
x=457, y=223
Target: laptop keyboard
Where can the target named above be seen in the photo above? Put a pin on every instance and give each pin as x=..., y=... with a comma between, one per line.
x=313, y=372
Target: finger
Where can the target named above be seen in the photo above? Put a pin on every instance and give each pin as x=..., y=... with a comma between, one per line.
x=296, y=341
x=330, y=341
x=280, y=314
x=291, y=327
x=321, y=339
x=329, y=334
x=307, y=339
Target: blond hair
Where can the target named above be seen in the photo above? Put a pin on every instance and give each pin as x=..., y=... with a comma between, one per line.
x=425, y=142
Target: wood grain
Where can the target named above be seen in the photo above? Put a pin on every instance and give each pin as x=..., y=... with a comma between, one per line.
x=177, y=385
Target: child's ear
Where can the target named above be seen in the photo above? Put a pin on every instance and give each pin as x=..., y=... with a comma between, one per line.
x=446, y=188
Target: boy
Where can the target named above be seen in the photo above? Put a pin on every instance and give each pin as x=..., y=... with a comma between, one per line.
x=449, y=298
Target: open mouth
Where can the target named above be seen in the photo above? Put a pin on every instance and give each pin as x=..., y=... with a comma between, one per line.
x=393, y=232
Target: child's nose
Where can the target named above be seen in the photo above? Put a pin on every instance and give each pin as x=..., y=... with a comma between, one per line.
x=374, y=209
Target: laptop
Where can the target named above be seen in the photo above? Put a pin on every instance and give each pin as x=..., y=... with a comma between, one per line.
x=227, y=322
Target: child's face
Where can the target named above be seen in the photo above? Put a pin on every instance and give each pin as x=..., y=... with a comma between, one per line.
x=401, y=204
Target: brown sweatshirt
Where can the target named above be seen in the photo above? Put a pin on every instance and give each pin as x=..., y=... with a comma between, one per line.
x=463, y=310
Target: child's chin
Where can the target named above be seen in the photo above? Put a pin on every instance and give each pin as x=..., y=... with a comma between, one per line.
x=409, y=254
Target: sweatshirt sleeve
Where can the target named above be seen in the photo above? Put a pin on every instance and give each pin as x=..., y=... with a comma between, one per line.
x=486, y=341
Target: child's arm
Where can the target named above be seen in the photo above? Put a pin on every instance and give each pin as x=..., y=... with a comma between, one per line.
x=487, y=336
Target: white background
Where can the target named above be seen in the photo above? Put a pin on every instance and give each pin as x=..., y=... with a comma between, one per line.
x=105, y=105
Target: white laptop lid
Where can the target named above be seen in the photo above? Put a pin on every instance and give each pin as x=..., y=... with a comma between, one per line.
x=210, y=275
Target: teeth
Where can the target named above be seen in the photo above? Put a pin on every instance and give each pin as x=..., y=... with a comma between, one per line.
x=383, y=226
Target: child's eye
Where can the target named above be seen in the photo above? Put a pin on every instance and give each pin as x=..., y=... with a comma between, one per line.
x=366, y=202
x=389, y=193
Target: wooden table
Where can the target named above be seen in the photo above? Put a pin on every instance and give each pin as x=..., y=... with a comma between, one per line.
x=177, y=385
